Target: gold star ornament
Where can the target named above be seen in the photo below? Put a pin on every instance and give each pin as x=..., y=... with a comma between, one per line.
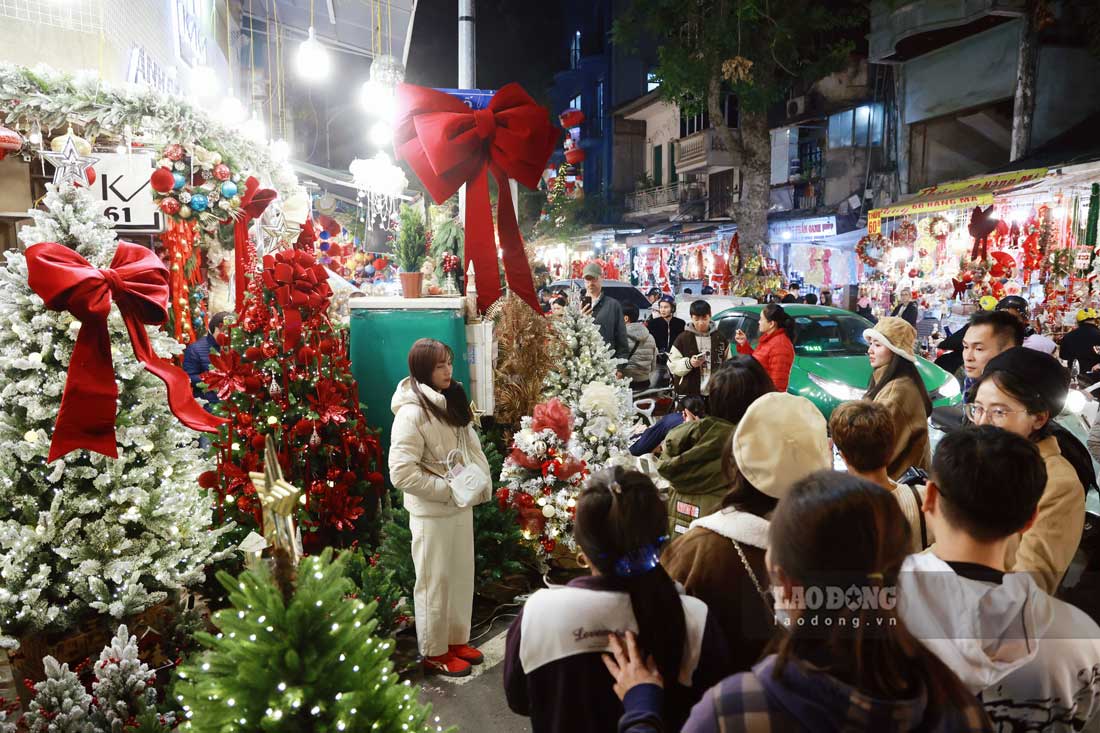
x=280, y=503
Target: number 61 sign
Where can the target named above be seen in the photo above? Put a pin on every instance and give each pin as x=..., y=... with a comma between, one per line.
x=122, y=186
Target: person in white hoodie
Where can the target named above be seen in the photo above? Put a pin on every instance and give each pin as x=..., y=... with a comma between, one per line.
x=432, y=431
x=1033, y=660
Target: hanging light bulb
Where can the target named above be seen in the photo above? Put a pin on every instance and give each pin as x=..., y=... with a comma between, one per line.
x=379, y=94
x=381, y=134
x=313, y=59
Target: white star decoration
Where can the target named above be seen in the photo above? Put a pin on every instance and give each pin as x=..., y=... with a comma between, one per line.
x=69, y=165
x=280, y=234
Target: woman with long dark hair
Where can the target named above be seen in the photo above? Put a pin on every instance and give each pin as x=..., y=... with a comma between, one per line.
x=1022, y=391
x=692, y=456
x=432, y=432
x=838, y=666
x=553, y=671
x=775, y=350
x=896, y=384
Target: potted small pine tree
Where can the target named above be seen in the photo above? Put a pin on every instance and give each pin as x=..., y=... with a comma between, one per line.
x=409, y=249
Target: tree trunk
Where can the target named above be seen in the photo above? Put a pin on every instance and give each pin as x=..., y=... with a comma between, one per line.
x=1023, y=108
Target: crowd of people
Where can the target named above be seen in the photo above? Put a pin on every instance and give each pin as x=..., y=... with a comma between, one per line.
x=765, y=591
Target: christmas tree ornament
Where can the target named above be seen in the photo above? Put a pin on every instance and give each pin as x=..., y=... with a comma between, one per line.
x=174, y=152
x=10, y=141
x=185, y=212
x=162, y=180
x=198, y=202
x=280, y=504
x=170, y=206
x=229, y=189
x=184, y=197
x=222, y=172
x=178, y=180
x=70, y=166
x=82, y=146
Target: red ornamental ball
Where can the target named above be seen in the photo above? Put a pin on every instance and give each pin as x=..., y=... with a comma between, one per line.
x=913, y=272
x=89, y=173
x=170, y=206
x=174, y=152
x=222, y=172
x=162, y=180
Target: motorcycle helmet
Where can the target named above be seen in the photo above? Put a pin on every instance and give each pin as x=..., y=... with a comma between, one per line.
x=1087, y=314
x=1013, y=302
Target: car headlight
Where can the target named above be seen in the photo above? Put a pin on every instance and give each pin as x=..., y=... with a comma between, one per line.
x=947, y=390
x=839, y=390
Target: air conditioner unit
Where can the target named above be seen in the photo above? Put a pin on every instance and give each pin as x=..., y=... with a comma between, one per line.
x=796, y=106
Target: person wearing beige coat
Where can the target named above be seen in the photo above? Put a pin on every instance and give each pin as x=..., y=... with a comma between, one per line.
x=1021, y=391
x=433, y=431
x=897, y=385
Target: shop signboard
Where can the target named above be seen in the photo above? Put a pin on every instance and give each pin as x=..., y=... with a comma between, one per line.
x=126, y=199
x=802, y=230
x=144, y=69
x=997, y=182
x=925, y=206
x=190, y=33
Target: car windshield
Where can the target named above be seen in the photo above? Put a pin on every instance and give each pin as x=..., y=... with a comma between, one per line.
x=830, y=335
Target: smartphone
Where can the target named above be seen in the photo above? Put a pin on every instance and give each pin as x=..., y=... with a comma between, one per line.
x=586, y=301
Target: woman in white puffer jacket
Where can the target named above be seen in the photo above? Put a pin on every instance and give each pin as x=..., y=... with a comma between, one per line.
x=432, y=418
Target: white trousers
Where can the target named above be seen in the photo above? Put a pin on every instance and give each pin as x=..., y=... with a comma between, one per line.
x=443, y=555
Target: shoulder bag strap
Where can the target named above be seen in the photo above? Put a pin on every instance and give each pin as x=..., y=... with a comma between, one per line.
x=923, y=527
x=752, y=576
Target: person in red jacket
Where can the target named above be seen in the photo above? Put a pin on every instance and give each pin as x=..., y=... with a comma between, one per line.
x=775, y=352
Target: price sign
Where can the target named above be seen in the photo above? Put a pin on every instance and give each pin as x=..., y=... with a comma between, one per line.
x=122, y=185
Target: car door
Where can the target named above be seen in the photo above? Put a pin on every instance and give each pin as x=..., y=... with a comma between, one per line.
x=747, y=322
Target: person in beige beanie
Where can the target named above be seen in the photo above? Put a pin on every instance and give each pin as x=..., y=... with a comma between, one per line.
x=720, y=559
x=897, y=385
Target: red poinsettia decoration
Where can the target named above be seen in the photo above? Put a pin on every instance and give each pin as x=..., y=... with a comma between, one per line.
x=228, y=374
x=330, y=402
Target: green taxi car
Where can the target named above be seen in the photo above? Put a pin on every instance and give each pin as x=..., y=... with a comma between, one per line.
x=830, y=355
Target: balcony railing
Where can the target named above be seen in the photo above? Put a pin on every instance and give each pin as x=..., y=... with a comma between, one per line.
x=649, y=199
x=701, y=151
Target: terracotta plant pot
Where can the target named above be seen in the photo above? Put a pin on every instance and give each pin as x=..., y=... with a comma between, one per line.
x=411, y=284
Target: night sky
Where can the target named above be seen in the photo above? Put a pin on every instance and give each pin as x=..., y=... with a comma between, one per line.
x=517, y=40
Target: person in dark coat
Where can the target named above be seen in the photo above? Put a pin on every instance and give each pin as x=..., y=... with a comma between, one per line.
x=666, y=328
x=906, y=308
x=1082, y=345
x=196, y=358
x=605, y=311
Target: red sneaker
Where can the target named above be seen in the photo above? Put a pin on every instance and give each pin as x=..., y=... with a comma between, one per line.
x=466, y=653
x=447, y=665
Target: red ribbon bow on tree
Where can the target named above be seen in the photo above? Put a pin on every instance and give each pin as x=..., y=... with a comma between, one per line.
x=254, y=201
x=299, y=284
x=138, y=283
x=447, y=145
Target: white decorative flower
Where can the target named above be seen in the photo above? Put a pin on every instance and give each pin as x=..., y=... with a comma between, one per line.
x=599, y=397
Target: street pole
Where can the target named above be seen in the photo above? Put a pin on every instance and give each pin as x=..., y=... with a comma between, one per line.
x=467, y=45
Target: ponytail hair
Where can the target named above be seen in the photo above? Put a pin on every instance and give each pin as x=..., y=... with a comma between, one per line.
x=621, y=523
x=775, y=313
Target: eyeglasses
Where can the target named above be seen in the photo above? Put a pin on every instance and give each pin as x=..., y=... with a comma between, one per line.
x=997, y=414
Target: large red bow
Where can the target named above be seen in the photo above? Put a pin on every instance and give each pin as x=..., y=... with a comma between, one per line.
x=253, y=202
x=299, y=284
x=138, y=283
x=447, y=144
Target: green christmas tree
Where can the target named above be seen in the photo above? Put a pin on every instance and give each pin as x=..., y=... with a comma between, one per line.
x=296, y=659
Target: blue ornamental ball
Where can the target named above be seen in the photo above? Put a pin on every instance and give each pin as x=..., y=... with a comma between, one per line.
x=178, y=181
x=369, y=269
x=229, y=189
x=198, y=202
x=325, y=245
x=325, y=235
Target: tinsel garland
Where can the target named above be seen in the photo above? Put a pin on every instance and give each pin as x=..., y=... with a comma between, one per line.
x=184, y=271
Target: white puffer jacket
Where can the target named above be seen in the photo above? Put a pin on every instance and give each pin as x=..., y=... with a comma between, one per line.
x=418, y=439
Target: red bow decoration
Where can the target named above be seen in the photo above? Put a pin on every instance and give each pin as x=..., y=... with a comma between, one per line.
x=447, y=144
x=138, y=283
x=299, y=284
x=254, y=200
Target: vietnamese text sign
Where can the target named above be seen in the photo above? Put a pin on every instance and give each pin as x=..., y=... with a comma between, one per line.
x=986, y=183
x=926, y=206
x=122, y=186
x=802, y=229
x=472, y=98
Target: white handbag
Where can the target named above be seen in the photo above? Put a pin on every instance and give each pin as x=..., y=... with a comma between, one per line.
x=469, y=482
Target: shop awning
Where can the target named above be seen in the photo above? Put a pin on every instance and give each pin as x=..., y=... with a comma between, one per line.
x=967, y=193
x=671, y=234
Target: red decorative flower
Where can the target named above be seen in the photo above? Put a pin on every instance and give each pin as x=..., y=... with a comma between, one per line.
x=227, y=374
x=330, y=402
x=340, y=508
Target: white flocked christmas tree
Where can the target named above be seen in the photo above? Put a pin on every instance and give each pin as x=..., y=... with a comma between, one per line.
x=60, y=704
x=86, y=533
x=584, y=380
